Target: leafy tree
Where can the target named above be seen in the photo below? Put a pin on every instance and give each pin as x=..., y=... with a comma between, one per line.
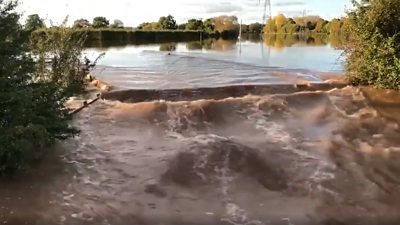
x=34, y=22
x=270, y=27
x=194, y=24
x=32, y=111
x=301, y=21
x=64, y=48
x=335, y=26
x=373, y=52
x=226, y=23
x=320, y=25
x=142, y=26
x=291, y=28
x=281, y=25
x=209, y=25
x=311, y=25
x=255, y=28
x=245, y=28
x=100, y=22
x=81, y=23
x=117, y=24
x=182, y=26
x=167, y=23
x=149, y=26
x=280, y=21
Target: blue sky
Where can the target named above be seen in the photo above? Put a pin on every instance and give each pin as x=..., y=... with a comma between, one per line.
x=133, y=12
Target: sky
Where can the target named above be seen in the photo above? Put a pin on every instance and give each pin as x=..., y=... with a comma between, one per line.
x=134, y=12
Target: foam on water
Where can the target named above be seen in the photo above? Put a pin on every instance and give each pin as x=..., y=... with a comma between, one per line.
x=304, y=158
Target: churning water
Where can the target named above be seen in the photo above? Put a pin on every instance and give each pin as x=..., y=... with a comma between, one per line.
x=230, y=144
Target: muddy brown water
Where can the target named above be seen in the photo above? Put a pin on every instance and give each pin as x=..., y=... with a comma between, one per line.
x=298, y=157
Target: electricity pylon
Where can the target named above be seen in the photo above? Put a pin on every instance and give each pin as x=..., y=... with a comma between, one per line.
x=267, y=9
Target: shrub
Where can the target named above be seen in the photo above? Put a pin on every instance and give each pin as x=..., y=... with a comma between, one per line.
x=32, y=111
x=373, y=52
x=63, y=48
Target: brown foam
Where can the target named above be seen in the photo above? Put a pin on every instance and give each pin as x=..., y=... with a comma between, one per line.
x=213, y=93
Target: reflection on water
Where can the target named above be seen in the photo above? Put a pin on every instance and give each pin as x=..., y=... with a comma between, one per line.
x=277, y=41
x=167, y=47
x=219, y=62
x=282, y=41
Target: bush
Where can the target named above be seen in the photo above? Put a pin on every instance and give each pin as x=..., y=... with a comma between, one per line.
x=32, y=111
x=63, y=47
x=373, y=52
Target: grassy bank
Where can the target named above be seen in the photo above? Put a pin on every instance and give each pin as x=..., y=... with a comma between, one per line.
x=138, y=36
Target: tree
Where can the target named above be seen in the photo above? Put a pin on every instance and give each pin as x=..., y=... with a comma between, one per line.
x=270, y=27
x=280, y=24
x=226, y=23
x=182, y=26
x=117, y=24
x=63, y=47
x=373, y=52
x=34, y=22
x=255, y=28
x=194, y=24
x=32, y=111
x=280, y=21
x=291, y=28
x=100, y=22
x=149, y=26
x=209, y=25
x=311, y=25
x=81, y=23
x=142, y=26
x=167, y=23
x=335, y=26
x=320, y=25
x=245, y=28
x=301, y=21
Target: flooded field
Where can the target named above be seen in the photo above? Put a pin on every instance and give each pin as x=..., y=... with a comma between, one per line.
x=214, y=63
x=242, y=144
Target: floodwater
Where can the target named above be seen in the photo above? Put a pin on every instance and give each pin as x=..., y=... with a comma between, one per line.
x=249, y=154
x=214, y=63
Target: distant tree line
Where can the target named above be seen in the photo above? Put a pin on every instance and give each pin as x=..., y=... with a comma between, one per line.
x=98, y=22
x=281, y=24
x=34, y=22
x=216, y=24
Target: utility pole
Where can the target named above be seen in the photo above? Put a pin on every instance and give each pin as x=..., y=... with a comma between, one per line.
x=267, y=7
